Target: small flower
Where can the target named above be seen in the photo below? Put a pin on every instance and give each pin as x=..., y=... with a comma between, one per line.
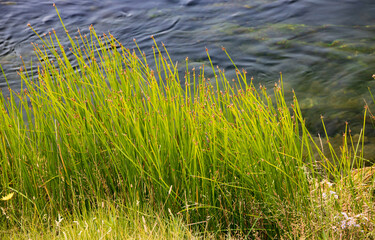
x=334, y=194
x=343, y=224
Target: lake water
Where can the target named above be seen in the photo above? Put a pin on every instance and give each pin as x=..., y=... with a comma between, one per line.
x=324, y=48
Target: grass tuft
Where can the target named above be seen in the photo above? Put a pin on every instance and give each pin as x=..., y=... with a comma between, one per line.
x=98, y=123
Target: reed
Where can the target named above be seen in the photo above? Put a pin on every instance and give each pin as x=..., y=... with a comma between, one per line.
x=222, y=154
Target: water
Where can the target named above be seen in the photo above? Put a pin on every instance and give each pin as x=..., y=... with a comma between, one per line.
x=324, y=48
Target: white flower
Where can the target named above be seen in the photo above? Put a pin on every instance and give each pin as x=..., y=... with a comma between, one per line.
x=334, y=194
x=343, y=224
x=348, y=221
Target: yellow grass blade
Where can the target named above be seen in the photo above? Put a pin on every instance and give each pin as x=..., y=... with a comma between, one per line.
x=8, y=197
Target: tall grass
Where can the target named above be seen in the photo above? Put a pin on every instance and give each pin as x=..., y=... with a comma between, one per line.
x=219, y=152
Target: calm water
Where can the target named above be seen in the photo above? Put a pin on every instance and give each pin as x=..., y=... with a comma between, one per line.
x=324, y=48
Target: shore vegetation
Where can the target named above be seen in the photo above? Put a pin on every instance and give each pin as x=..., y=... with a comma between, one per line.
x=101, y=143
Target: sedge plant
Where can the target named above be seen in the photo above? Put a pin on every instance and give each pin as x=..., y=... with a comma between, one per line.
x=99, y=123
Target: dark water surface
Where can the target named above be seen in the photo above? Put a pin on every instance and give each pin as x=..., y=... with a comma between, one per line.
x=324, y=48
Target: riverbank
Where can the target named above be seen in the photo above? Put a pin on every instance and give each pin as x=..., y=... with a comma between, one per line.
x=210, y=157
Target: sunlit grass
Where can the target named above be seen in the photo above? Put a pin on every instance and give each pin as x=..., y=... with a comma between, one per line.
x=109, y=221
x=219, y=153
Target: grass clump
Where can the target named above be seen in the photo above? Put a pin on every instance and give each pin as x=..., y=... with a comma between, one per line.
x=109, y=221
x=223, y=156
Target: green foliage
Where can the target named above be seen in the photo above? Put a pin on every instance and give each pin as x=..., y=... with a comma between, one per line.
x=222, y=154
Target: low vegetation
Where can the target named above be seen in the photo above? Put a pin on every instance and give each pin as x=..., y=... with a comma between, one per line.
x=102, y=144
